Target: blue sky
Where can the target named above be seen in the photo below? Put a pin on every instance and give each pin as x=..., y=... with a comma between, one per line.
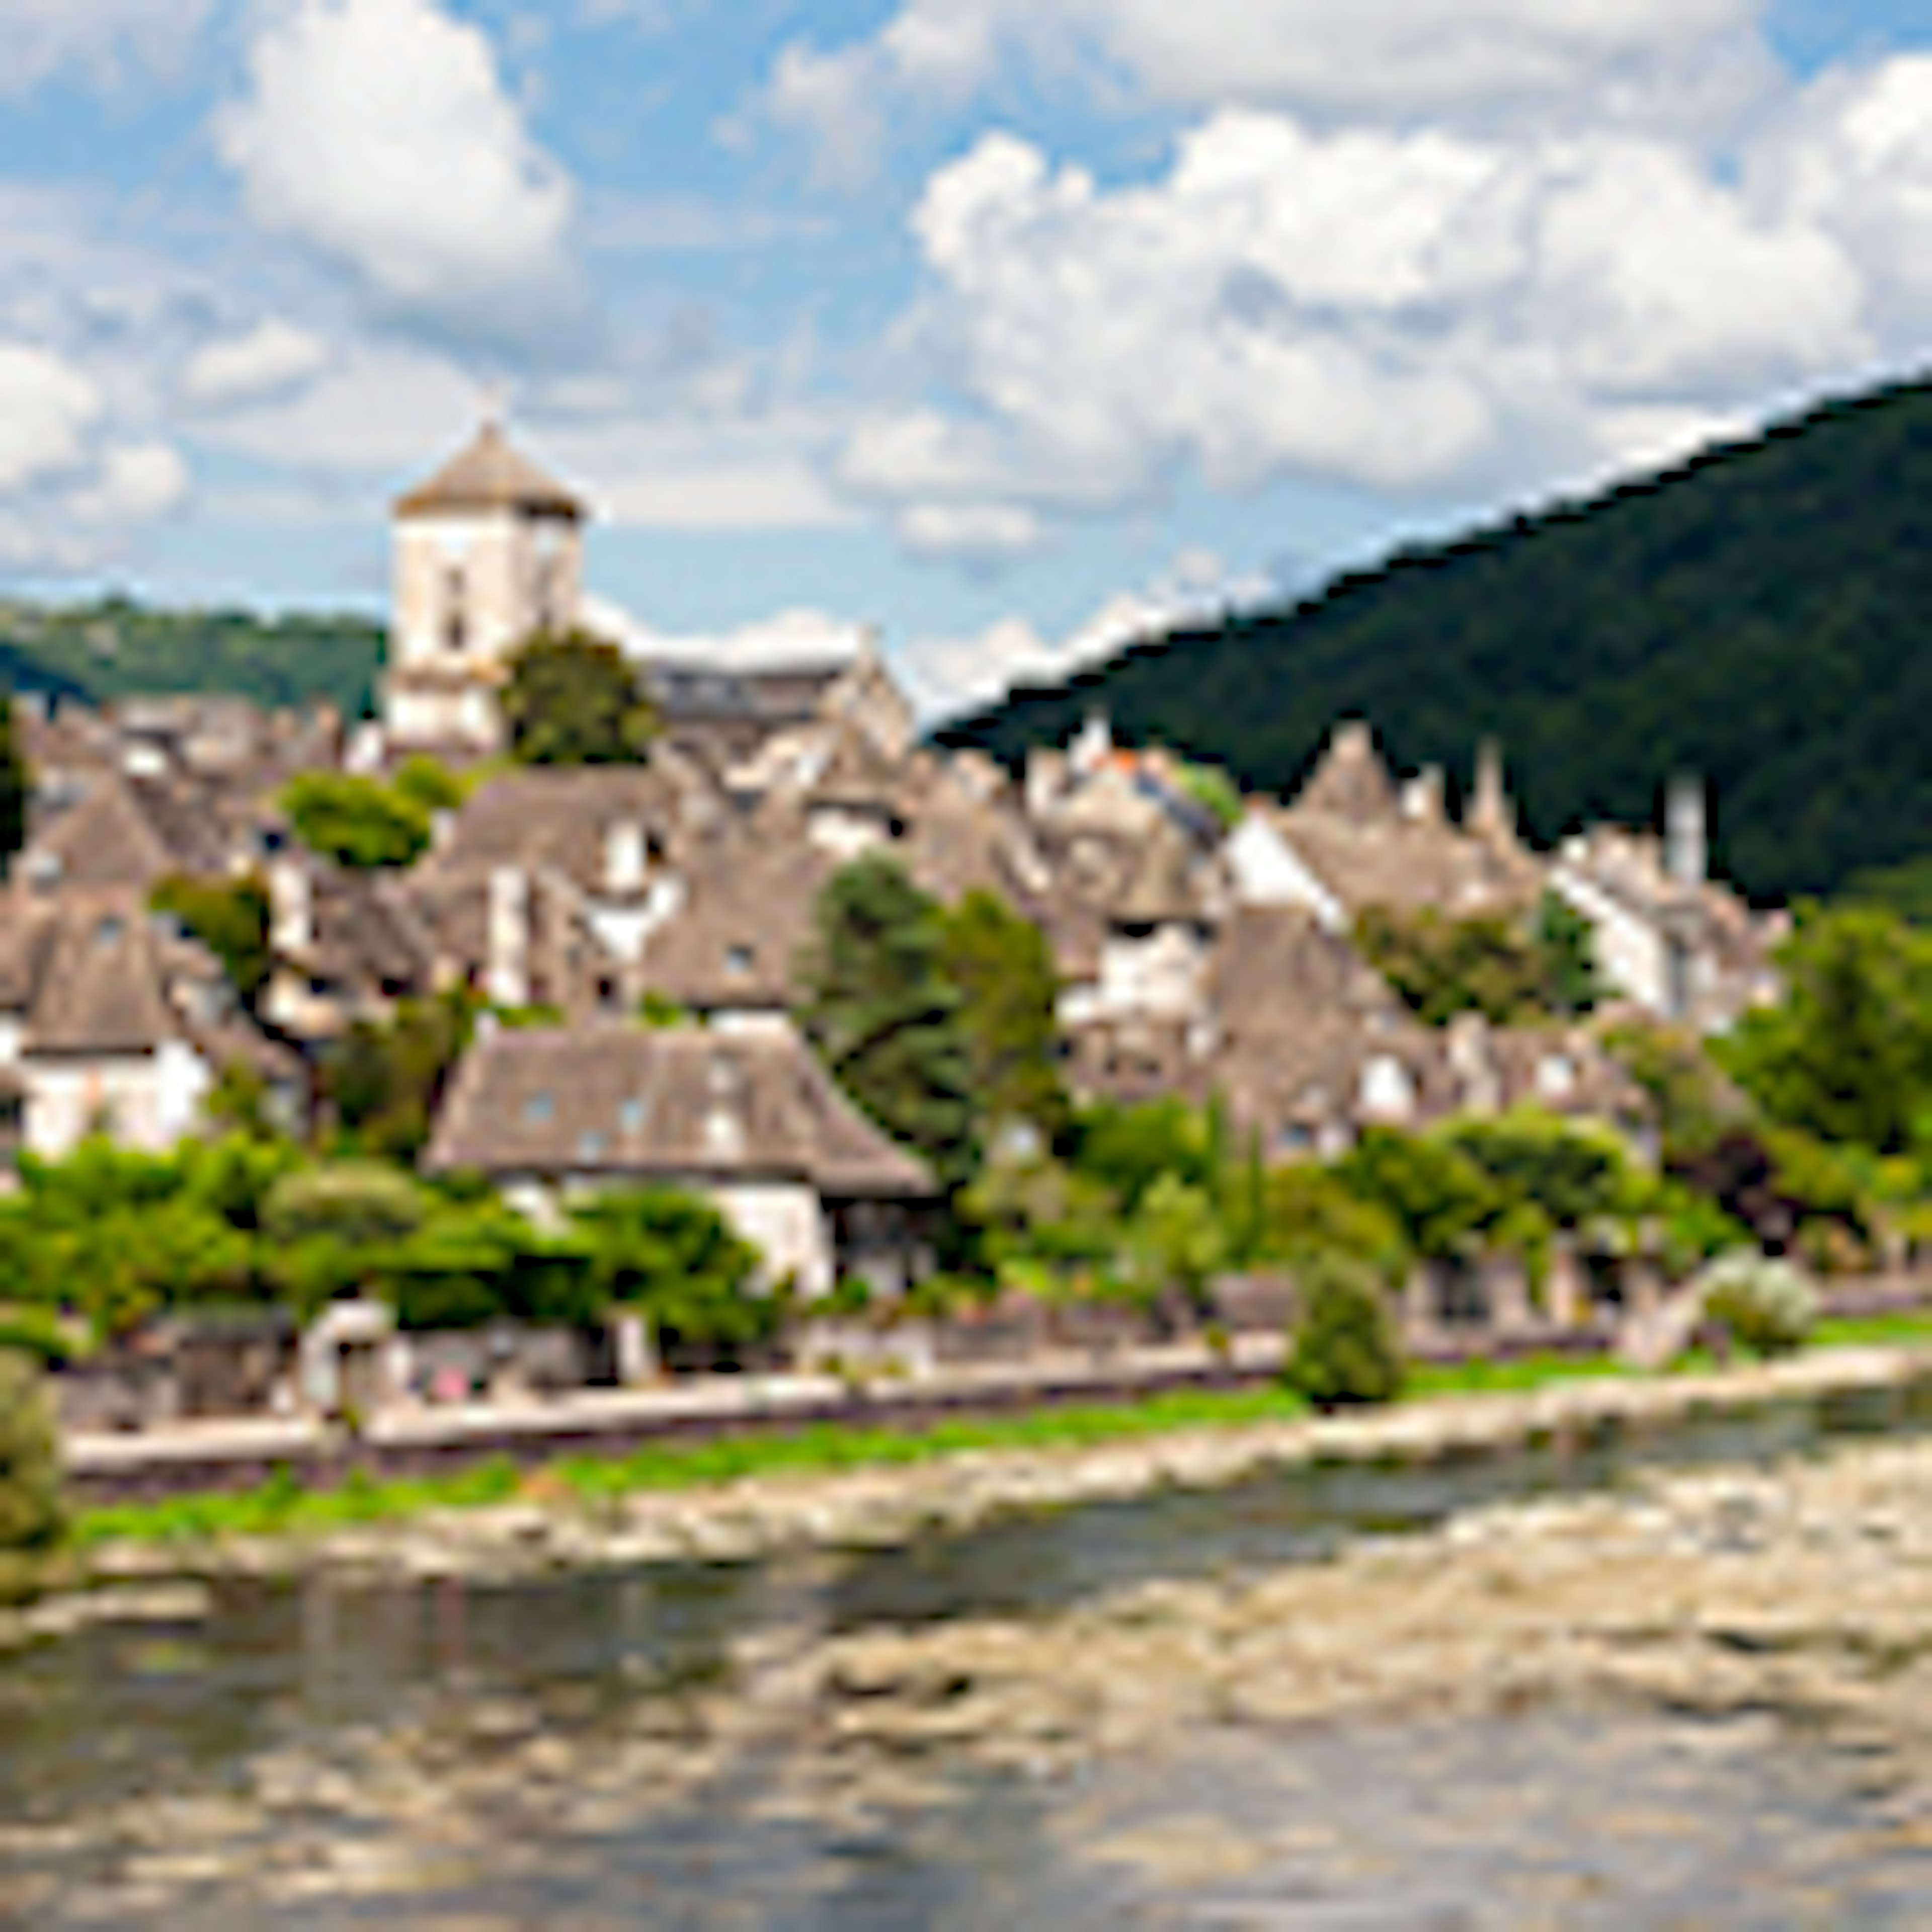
x=1004, y=326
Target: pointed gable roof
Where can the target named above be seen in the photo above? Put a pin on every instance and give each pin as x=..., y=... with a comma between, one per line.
x=1351, y=781
x=491, y=474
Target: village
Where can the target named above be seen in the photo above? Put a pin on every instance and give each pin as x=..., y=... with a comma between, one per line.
x=632, y=938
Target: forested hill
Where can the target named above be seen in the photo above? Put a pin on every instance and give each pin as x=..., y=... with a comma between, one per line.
x=113, y=648
x=1762, y=615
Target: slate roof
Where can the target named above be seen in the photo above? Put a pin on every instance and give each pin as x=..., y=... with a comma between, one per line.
x=490, y=473
x=621, y=1102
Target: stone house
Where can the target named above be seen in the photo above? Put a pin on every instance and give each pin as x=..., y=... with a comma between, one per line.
x=749, y=1119
x=111, y=1019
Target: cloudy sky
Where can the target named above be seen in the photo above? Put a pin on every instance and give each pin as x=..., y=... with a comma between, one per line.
x=1001, y=325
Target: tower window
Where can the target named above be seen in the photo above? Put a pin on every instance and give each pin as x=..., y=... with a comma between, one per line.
x=455, y=612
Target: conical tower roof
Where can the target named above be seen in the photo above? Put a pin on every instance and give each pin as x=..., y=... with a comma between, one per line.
x=491, y=474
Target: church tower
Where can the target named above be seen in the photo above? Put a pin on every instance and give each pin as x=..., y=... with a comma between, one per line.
x=488, y=551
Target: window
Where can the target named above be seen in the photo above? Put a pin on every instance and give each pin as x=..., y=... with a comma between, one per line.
x=632, y=1115
x=538, y=1109
x=592, y=1146
x=455, y=612
x=738, y=961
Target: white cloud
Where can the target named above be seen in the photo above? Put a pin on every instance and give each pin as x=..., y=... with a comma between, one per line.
x=791, y=638
x=1411, y=311
x=107, y=41
x=268, y=360
x=1686, y=61
x=138, y=483
x=71, y=495
x=379, y=133
x=48, y=411
x=945, y=676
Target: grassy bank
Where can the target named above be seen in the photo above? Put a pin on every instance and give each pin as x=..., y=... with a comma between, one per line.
x=282, y=1507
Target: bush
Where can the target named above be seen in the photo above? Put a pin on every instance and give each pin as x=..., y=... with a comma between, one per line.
x=1343, y=1349
x=33, y=1515
x=1765, y=1306
x=362, y=1203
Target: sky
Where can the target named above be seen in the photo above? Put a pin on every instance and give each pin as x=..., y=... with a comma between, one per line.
x=1006, y=328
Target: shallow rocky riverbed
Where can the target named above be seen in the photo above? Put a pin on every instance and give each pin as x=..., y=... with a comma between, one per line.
x=1699, y=1696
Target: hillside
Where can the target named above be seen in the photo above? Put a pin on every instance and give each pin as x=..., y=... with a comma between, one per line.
x=1762, y=615
x=112, y=648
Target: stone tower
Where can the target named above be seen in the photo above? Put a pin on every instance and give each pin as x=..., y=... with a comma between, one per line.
x=488, y=551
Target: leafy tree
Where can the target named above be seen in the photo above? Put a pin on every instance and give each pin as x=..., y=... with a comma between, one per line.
x=885, y=1016
x=1847, y=1054
x=33, y=1514
x=358, y=822
x=230, y=917
x=1440, y=1199
x=1510, y=970
x=429, y=785
x=1175, y=1241
x=1130, y=1148
x=15, y=788
x=672, y=1257
x=384, y=1079
x=1308, y=1211
x=1571, y=1173
x=577, y=700
x=1343, y=1348
x=360, y=1203
x=1003, y=969
x=1693, y=1103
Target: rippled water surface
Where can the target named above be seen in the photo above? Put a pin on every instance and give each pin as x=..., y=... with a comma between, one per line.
x=451, y=1754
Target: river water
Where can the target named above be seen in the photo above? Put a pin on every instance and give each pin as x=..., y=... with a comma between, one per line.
x=453, y=1754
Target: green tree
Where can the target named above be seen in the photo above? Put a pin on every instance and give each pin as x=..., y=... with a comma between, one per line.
x=1440, y=1199
x=1571, y=1173
x=1442, y=966
x=672, y=1257
x=230, y=917
x=577, y=700
x=1343, y=1347
x=1308, y=1211
x=884, y=1014
x=358, y=822
x=1002, y=970
x=384, y=1080
x=1175, y=1242
x=1566, y=943
x=33, y=1514
x=1847, y=1054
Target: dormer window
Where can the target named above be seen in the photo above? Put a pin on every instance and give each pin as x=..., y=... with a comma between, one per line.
x=539, y=1110
x=632, y=1115
x=592, y=1146
x=738, y=961
x=107, y=932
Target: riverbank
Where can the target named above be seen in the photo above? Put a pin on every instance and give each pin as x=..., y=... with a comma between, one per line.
x=736, y=1501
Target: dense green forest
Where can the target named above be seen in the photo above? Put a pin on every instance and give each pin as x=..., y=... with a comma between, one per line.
x=1762, y=615
x=115, y=648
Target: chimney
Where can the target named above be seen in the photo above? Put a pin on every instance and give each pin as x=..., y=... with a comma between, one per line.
x=507, y=975
x=624, y=855
x=1686, y=840
x=1422, y=797
x=1491, y=817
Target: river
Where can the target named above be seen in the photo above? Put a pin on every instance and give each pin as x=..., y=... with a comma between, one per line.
x=632, y=1748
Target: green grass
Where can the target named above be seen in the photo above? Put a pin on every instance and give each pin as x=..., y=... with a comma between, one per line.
x=283, y=1506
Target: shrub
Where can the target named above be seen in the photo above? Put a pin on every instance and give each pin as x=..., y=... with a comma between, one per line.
x=358, y=1203
x=1343, y=1349
x=1765, y=1306
x=33, y=1515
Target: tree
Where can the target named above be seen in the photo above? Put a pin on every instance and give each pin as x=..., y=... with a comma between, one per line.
x=33, y=1516
x=1847, y=1054
x=1440, y=1199
x=1343, y=1349
x=384, y=1079
x=671, y=1257
x=576, y=700
x=1009, y=987
x=358, y=822
x=884, y=1015
x=16, y=787
x=230, y=917
x=1537, y=966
